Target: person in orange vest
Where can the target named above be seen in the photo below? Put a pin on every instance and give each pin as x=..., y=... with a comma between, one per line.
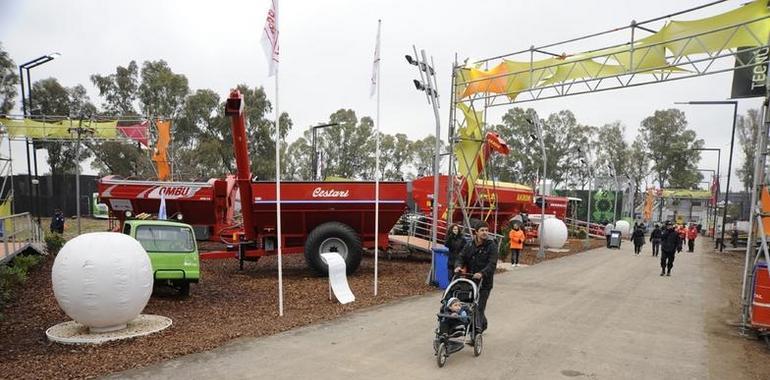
x=681, y=230
x=692, y=233
x=516, y=238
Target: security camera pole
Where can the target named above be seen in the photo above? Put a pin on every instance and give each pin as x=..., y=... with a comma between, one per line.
x=539, y=137
x=427, y=84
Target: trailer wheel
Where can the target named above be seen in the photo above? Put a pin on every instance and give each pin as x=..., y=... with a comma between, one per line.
x=333, y=237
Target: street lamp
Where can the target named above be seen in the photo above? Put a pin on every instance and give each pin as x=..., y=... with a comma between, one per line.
x=611, y=166
x=539, y=138
x=719, y=178
x=316, y=172
x=587, y=162
x=428, y=85
x=708, y=187
x=26, y=102
x=730, y=161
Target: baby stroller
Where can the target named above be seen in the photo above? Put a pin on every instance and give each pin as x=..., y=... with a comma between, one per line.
x=454, y=332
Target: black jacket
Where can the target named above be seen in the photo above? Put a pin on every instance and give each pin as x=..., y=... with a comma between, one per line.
x=482, y=259
x=455, y=244
x=656, y=234
x=638, y=236
x=669, y=241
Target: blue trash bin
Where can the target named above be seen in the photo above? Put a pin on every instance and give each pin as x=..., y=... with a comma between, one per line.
x=440, y=268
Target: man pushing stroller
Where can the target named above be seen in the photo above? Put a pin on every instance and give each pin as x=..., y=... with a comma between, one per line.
x=480, y=258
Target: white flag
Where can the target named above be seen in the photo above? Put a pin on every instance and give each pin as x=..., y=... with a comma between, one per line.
x=270, y=38
x=376, y=65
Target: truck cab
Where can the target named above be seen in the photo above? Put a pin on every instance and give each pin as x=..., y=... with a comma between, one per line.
x=172, y=250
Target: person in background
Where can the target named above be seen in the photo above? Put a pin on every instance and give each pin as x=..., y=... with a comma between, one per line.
x=516, y=243
x=455, y=242
x=638, y=238
x=57, y=222
x=681, y=230
x=608, y=227
x=480, y=258
x=669, y=243
x=655, y=240
x=692, y=234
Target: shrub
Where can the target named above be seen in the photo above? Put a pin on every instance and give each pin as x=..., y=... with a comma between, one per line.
x=53, y=243
x=13, y=275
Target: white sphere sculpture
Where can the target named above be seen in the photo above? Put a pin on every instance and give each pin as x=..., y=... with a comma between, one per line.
x=624, y=227
x=102, y=280
x=555, y=233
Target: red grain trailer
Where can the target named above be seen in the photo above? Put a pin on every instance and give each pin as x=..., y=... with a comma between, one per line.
x=316, y=216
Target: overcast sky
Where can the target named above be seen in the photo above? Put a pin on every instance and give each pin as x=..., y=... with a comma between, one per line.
x=327, y=49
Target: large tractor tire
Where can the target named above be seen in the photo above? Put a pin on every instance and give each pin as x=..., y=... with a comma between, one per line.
x=333, y=237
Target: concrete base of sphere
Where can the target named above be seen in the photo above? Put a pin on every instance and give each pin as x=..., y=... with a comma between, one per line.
x=74, y=333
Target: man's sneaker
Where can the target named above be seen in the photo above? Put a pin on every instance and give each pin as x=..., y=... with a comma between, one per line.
x=662, y=273
x=668, y=274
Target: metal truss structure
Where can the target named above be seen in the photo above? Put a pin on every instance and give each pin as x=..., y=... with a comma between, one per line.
x=613, y=68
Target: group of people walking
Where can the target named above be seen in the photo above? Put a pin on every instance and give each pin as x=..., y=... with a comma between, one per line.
x=666, y=241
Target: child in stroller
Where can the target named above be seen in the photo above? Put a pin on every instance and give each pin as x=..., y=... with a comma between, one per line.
x=457, y=319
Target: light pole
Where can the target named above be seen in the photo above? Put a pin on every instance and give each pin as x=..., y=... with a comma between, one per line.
x=427, y=83
x=539, y=138
x=730, y=161
x=79, y=131
x=718, y=179
x=611, y=166
x=587, y=162
x=316, y=172
x=713, y=176
x=26, y=102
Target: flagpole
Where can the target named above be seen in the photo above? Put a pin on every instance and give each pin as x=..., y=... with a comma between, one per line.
x=278, y=173
x=377, y=164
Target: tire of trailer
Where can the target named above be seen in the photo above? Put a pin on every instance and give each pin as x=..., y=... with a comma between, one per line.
x=337, y=236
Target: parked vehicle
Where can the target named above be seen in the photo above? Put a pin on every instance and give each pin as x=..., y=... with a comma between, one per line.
x=172, y=250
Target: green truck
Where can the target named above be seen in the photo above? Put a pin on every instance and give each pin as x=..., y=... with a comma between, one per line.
x=172, y=250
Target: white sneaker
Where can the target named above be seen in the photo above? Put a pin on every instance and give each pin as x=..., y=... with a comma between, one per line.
x=513, y=265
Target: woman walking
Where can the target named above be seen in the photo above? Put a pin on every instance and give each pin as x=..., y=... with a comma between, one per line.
x=516, y=238
x=455, y=242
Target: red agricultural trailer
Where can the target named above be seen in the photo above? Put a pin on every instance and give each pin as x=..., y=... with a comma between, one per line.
x=316, y=216
x=501, y=201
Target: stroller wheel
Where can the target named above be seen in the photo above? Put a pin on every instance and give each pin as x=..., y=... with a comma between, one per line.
x=478, y=344
x=441, y=355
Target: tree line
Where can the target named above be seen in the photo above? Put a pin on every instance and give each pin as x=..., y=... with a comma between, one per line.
x=664, y=152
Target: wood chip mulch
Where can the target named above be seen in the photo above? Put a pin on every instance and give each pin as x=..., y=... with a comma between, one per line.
x=225, y=305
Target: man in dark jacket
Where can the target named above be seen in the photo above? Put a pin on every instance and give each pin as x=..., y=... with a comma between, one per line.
x=638, y=238
x=57, y=222
x=669, y=243
x=655, y=237
x=480, y=258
